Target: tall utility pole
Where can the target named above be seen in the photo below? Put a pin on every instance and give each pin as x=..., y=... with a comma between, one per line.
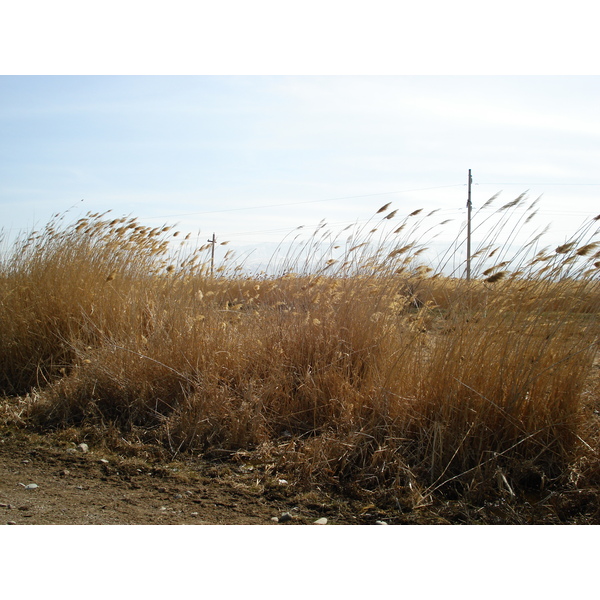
x=469, y=206
x=212, y=253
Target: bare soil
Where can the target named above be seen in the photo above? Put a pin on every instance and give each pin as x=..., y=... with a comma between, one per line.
x=97, y=487
x=134, y=488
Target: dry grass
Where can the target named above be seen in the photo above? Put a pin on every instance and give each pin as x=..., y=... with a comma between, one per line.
x=353, y=365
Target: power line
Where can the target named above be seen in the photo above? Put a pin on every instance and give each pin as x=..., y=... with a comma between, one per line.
x=259, y=207
x=206, y=212
x=524, y=183
x=358, y=222
x=450, y=212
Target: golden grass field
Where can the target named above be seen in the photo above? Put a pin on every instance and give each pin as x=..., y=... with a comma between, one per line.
x=369, y=372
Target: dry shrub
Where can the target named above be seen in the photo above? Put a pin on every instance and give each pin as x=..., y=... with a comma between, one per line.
x=374, y=370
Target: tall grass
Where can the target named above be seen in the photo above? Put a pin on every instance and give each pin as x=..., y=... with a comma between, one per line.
x=354, y=364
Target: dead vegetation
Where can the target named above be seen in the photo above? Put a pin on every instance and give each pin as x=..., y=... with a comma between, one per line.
x=353, y=366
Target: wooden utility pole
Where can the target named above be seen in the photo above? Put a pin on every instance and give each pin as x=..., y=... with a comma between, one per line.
x=469, y=206
x=212, y=254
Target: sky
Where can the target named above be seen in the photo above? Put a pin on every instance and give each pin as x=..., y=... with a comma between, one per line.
x=251, y=158
x=249, y=120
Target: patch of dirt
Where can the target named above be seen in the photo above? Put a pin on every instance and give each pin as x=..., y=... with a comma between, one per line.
x=97, y=487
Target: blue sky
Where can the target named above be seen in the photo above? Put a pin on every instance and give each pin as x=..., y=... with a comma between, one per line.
x=251, y=158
